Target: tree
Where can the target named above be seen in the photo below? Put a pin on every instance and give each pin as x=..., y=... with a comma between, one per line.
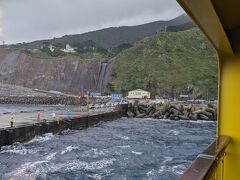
x=110, y=87
x=102, y=50
x=59, y=45
x=152, y=86
x=121, y=47
x=45, y=43
x=46, y=50
x=57, y=53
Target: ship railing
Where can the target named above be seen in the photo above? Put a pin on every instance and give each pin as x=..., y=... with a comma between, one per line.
x=209, y=164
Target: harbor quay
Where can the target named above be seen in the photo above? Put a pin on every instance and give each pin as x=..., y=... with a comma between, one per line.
x=23, y=127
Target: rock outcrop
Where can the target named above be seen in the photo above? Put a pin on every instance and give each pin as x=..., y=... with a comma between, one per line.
x=65, y=74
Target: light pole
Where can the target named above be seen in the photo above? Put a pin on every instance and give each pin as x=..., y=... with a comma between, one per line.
x=88, y=102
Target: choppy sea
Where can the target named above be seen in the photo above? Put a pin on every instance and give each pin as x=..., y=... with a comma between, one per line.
x=121, y=149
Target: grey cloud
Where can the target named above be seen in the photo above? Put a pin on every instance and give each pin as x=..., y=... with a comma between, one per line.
x=27, y=20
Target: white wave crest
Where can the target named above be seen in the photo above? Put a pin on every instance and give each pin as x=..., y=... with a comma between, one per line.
x=137, y=153
x=124, y=147
x=123, y=137
x=29, y=170
x=42, y=138
x=167, y=159
x=51, y=156
x=93, y=153
x=81, y=165
x=151, y=173
x=68, y=149
x=174, y=132
x=32, y=170
x=176, y=169
x=19, y=149
x=179, y=169
x=96, y=165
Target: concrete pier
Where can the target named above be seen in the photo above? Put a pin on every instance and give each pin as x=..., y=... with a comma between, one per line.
x=26, y=126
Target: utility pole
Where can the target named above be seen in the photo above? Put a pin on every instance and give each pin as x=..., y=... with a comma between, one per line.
x=3, y=44
x=88, y=102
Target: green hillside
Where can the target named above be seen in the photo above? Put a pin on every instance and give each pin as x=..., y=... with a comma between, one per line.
x=168, y=64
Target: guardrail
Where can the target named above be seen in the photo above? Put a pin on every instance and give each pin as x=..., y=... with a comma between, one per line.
x=209, y=164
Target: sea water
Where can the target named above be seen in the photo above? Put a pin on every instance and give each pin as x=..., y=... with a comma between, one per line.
x=121, y=149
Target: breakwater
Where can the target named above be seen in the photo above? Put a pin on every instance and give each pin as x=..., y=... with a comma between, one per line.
x=51, y=100
x=27, y=132
x=47, y=100
x=173, y=111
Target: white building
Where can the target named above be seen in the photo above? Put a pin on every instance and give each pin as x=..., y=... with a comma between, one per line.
x=68, y=49
x=51, y=47
x=139, y=94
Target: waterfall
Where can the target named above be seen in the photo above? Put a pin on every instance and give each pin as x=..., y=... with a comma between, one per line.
x=102, y=72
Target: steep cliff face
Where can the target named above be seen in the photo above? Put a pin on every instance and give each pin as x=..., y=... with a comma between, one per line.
x=64, y=74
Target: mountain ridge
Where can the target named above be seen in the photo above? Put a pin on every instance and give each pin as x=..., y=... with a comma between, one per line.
x=112, y=36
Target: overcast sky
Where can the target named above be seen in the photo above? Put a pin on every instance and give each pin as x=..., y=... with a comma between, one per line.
x=28, y=20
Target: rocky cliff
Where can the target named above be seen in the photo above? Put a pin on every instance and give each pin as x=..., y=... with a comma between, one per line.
x=66, y=74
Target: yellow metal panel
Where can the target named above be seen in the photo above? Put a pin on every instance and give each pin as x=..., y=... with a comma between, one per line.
x=228, y=11
x=229, y=114
x=203, y=13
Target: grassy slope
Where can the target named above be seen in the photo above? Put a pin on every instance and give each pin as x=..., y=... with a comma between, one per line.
x=81, y=57
x=173, y=59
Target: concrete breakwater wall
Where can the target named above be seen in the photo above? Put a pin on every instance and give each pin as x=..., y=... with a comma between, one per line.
x=48, y=100
x=27, y=132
